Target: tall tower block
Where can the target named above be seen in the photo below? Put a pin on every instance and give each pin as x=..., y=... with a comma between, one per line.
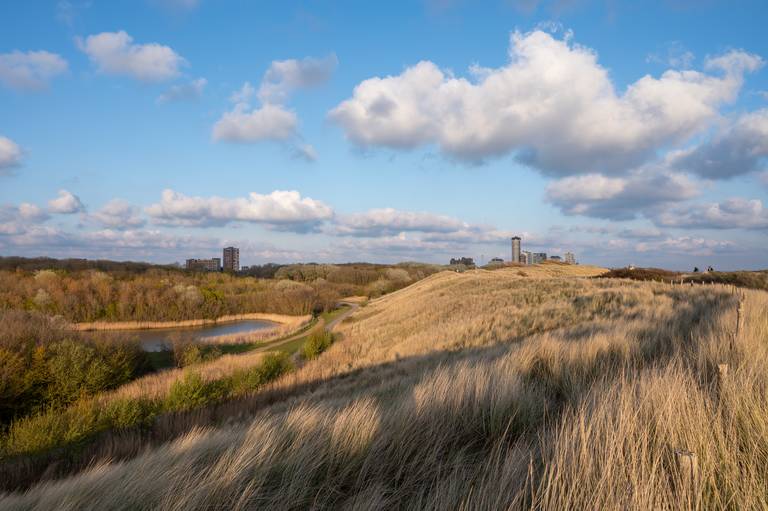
x=516, y=249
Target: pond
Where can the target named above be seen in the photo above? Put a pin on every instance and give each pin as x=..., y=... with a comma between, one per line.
x=158, y=339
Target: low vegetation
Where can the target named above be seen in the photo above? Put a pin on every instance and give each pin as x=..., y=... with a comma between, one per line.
x=140, y=404
x=161, y=294
x=316, y=343
x=481, y=390
x=745, y=279
x=44, y=365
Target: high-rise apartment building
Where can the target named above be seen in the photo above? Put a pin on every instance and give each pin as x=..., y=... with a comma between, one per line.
x=231, y=259
x=516, y=249
x=570, y=258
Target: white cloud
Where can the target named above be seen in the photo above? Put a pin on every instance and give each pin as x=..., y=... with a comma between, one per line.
x=118, y=214
x=114, y=53
x=270, y=122
x=32, y=212
x=552, y=104
x=10, y=154
x=687, y=246
x=279, y=210
x=643, y=191
x=675, y=55
x=244, y=94
x=184, y=92
x=389, y=221
x=734, y=213
x=17, y=220
x=30, y=71
x=66, y=203
x=741, y=148
x=285, y=76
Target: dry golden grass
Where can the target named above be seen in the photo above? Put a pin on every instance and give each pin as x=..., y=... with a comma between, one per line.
x=484, y=390
x=282, y=319
x=157, y=385
x=552, y=269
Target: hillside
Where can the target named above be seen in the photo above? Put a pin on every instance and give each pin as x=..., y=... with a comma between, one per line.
x=483, y=390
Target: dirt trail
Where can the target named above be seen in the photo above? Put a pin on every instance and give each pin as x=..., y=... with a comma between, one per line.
x=320, y=325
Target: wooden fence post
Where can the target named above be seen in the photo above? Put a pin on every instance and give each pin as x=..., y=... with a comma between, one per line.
x=740, y=318
x=688, y=471
x=722, y=374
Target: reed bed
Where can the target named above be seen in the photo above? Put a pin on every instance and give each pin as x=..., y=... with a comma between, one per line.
x=282, y=319
x=484, y=391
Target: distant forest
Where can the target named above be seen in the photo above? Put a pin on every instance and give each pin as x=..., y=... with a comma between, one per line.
x=82, y=291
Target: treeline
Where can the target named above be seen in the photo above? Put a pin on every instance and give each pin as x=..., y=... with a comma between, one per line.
x=746, y=279
x=49, y=263
x=45, y=365
x=159, y=294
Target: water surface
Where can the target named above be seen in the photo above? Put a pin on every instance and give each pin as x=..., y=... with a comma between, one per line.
x=160, y=338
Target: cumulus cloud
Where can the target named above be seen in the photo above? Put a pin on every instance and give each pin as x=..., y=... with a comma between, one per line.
x=269, y=122
x=675, y=55
x=15, y=220
x=30, y=71
x=279, y=210
x=243, y=94
x=643, y=191
x=10, y=154
x=272, y=121
x=118, y=214
x=389, y=221
x=115, y=53
x=741, y=148
x=734, y=213
x=66, y=203
x=184, y=92
x=687, y=245
x=285, y=76
x=552, y=105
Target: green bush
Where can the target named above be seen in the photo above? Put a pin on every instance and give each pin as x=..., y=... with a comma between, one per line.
x=127, y=413
x=192, y=391
x=188, y=351
x=317, y=343
x=53, y=428
x=248, y=380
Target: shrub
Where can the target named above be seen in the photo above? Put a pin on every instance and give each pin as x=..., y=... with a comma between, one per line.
x=317, y=343
x=272, y=367
x=187, y=351
x=192, y=391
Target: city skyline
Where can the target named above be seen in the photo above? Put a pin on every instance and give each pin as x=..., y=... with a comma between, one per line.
x=624, y=133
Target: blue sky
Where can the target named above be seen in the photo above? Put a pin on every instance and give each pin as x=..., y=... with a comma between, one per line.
x=342, y=131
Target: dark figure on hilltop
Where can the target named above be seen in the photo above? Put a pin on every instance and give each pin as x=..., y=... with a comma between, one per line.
x=695, y=269
x=709, y=269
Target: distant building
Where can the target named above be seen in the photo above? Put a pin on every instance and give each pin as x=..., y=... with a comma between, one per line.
x=556, y=258
x=570, y=258
x=516, y=249
x=245, y=268
x=497, y=260
x=526, y=257
x=466, y=261
x=213, y=264
x=538, y=257
x=231, y=259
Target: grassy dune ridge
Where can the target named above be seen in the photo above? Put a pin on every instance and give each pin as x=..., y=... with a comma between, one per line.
x=484, y=390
